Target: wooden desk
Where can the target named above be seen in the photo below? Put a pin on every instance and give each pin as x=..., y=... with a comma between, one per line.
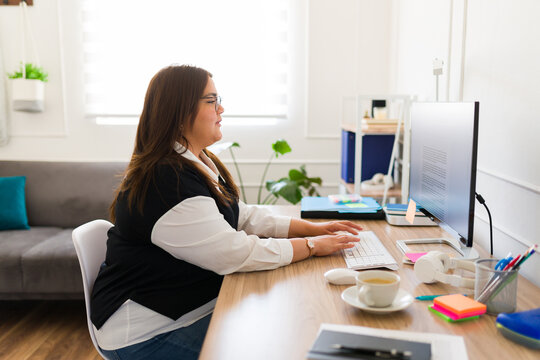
x=276, y=314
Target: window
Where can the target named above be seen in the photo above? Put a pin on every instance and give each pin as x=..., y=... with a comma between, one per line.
x=243, y=43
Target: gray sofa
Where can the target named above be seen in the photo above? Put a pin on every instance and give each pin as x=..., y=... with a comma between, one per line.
x=41, y=263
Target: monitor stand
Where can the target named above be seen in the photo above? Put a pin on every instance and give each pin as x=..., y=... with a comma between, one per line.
x=399, y=220
x=467, y=253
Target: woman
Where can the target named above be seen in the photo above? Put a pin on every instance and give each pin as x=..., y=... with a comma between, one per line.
x=179, y=227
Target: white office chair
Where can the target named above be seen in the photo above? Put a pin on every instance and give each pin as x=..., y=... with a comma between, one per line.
x=90, y=241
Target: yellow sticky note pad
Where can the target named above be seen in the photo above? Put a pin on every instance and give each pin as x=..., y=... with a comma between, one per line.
x=411, y=211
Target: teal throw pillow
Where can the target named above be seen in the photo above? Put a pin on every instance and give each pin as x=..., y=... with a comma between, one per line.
x=12, y=203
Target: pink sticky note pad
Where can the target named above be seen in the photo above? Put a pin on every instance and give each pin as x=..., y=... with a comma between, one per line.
x=453, y=316
x=411, y=211
x=414, y=256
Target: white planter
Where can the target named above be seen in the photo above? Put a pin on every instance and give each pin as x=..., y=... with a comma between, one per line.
x=28, y=95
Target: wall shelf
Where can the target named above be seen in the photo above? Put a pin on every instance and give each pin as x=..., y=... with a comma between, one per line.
x=399, y=106
x=394, y=192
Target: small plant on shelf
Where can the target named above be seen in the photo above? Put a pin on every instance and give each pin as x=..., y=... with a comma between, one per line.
x=28, y=90
x=31, y=71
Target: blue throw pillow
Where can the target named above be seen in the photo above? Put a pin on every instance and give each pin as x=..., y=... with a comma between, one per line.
x=12, y=203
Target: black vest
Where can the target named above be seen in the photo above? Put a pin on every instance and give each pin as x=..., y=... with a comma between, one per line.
x=136, y=269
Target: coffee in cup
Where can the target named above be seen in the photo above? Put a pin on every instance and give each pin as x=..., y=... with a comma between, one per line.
x=377, y=288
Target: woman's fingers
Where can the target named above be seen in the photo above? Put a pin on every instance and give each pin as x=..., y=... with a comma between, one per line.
x=348, y=226
x=328, y=244
x=353, y=225
x=347, y=238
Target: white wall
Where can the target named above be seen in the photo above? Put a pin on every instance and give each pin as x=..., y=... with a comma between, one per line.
x=330, y=58
x=499, y=60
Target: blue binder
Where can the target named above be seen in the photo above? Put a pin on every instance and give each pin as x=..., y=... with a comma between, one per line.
x=347, y=156
x=376, y=153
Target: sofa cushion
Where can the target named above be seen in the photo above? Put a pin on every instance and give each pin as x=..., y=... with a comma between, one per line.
x=52, y=266
x=13, y=206
x=14, y=243
x=66, y=194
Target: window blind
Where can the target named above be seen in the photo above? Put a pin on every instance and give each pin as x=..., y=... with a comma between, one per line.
x=243, y=43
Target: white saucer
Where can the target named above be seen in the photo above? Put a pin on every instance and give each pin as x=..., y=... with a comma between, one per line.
x=403, y=299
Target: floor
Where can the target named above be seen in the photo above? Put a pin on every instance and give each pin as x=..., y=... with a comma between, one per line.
x=45, y=330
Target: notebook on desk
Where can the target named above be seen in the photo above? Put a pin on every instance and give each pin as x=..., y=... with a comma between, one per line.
x=322, y=208
x=357, y=346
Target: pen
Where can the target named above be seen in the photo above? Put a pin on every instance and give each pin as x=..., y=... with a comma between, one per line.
x=525, y=257
x=511, y=263
x=431, y=297
x=385, y=354
x=516, y=266
x=494, y=287
x=502, y=263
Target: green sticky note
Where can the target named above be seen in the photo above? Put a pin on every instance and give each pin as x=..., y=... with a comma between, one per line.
x=444, y=317
x=356, y=205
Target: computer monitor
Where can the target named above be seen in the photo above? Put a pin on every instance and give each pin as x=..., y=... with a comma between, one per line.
x=444, y=140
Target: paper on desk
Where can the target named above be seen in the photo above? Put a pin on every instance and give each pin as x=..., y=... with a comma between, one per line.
x=443, y=347
x=411, y=211
x=415, y=256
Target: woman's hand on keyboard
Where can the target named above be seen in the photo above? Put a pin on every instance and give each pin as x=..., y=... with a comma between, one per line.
x=328, y=244
x=300, y=228
x=334, y=227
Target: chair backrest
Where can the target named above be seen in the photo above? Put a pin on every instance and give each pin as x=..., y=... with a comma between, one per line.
x=90, y=242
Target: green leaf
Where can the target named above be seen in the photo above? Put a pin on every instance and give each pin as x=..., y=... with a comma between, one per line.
x=316, y=180
x=281, y=147
x=269, y=185
x=288, y=190
x=296, y=175
x=235, y=144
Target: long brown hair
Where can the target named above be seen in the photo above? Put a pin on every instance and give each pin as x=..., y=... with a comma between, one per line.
x=170, y=107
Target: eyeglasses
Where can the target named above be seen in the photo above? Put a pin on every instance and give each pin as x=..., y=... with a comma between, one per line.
x=213, y=99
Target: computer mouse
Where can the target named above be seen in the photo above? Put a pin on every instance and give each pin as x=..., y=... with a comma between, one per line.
x=341, y=276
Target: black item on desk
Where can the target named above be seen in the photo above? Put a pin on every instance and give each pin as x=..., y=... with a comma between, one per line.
x=324, y=349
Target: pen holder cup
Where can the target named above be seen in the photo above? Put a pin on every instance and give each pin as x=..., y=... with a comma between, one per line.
x=494, y=288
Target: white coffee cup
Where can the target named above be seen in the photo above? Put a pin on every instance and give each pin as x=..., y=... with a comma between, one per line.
x=377, y=288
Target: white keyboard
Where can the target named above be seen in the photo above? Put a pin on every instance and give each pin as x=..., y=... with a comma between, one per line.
x=368, y=253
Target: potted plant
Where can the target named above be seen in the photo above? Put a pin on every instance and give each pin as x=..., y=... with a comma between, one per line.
x=292, y=188
x=28, y=88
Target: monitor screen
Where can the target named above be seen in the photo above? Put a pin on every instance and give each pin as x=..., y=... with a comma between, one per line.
x=444, y=139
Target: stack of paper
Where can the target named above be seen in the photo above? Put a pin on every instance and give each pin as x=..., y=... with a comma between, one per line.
x=400, y=209
x=345, y=198
x=454, y=308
